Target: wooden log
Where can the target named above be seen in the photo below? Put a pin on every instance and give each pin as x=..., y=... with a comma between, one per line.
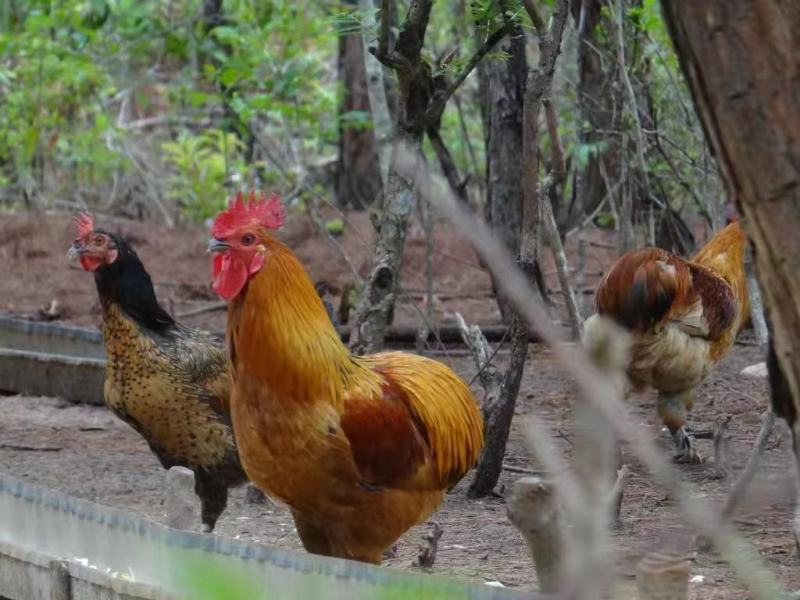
x=533, y=510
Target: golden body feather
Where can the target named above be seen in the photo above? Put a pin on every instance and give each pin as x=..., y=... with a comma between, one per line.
x=360, y=448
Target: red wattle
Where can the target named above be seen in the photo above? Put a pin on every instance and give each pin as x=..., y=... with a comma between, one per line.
x=230, y=275
x=90, y=263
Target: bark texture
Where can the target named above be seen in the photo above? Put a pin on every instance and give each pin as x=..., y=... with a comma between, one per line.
x=358, y=181
x=502, y=89
x=740, y=58
x=499, y=415
x=421, y=101
x=599, y=103
x=377, y=300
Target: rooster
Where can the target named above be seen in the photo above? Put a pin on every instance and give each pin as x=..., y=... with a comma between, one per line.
x=360, y=448
x=684, y=315
x=169, y=382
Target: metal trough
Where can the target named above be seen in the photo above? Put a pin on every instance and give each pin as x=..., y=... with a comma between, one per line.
x=56, y=547
x=45, y=359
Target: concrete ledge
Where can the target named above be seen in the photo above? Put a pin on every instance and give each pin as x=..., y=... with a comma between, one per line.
x=52, y=544
x=40, y=374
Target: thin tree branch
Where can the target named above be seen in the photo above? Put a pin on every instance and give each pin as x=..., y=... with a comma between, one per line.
x=383, y=36
x=440, y=99
x=535, y=17
x=626, y=81
x=558, y=167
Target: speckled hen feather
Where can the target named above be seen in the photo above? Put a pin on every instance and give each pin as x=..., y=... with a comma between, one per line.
x=168, y=381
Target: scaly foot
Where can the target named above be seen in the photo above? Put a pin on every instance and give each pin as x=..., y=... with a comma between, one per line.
x=685, y=448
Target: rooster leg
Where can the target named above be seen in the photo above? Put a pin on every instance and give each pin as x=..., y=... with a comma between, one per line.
x=213, y=494
x=672, y=410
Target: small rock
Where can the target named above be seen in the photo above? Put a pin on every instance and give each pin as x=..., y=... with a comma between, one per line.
x=181, y=503
x=757, y=371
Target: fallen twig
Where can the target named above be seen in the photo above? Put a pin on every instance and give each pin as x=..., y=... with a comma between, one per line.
x=26, y=448
x=615, y=496
x=521, y=470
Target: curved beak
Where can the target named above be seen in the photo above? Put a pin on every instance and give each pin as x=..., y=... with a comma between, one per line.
x=75, y=250
x=215, y=245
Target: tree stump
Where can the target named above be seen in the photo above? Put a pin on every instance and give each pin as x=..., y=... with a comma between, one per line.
x=532, y=508
x=663, y=576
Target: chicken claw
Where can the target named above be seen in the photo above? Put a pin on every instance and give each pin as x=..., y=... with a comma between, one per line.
x=685, y=448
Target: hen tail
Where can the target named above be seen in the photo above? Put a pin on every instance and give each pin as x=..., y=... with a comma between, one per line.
x=642, y=287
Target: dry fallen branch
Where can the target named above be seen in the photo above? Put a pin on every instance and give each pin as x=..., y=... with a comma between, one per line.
x=532, y=508
x=27, y=448
x=615, y=496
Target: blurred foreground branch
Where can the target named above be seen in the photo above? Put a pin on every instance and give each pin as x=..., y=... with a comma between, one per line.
x=595, y=388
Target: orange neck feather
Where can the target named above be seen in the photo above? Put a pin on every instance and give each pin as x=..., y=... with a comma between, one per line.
x=724, y=253
x=282, y=333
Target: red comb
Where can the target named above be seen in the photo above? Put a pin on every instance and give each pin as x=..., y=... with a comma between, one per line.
x=257, y=210
x=85, y=223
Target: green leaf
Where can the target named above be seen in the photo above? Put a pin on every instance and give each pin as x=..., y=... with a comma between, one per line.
x=226, y=35
x=335, y=226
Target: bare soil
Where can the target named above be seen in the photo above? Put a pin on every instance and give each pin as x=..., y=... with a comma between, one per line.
x=85, y=451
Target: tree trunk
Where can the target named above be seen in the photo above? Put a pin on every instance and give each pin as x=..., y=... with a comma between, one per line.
x=214, y=16
x=502, y=88
x=599, y=106
x=377, y=299
x=358, y=181
x=741, y=60
x=498, y=417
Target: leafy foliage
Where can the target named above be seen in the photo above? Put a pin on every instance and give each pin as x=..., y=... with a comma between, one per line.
x=123, y=101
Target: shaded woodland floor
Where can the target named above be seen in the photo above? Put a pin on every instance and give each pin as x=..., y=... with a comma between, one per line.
x=85, y=451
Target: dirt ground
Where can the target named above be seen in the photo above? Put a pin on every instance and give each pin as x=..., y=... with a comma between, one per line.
x=85, y=451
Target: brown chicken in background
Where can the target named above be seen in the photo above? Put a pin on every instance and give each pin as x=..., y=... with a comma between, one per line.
x=360, y=448
x=168, y=381
x=684, y=315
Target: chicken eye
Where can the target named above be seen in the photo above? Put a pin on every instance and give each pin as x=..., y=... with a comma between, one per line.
x=98, y=240
x=248, y=239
